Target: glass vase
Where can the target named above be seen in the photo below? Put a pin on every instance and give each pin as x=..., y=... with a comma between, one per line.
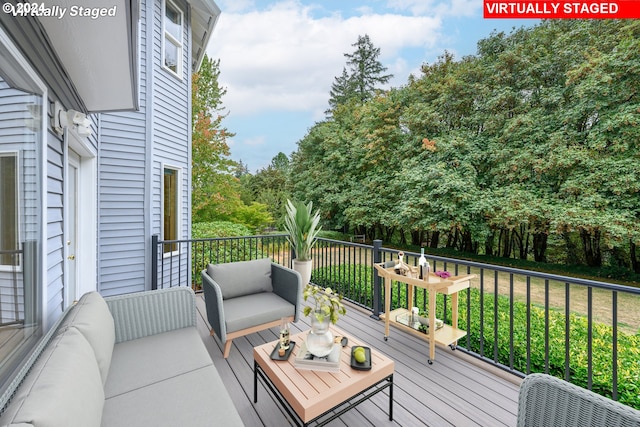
x=320, y=338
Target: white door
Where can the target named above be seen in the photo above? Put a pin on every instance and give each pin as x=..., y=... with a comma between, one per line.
x=72, y=203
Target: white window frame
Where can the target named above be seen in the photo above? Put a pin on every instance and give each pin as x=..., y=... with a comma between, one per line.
x=167, y=37
x=178, y=172
x=17, y=267
x=32, y=79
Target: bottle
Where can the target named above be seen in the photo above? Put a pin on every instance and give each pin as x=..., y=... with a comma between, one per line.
x=422, y=262
x=284, y=334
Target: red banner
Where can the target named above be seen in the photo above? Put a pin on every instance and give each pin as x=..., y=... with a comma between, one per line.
x=614, y=9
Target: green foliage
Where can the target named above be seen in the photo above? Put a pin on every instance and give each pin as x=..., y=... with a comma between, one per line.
x=207, y=230
x=214, y=190
x=211, y=251
x=302, y=227
x=325, y=303
x=355, y=283
x=527, y=150
x=270, y=186
x=256, y=216
x=364, y=75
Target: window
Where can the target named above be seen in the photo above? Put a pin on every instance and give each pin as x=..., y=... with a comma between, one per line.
x=22, y=142
x=8, y=210
x=172, y=43
x=170, y=209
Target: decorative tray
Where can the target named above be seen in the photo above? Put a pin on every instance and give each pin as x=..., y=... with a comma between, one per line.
x=287, y=353
x=364, y=366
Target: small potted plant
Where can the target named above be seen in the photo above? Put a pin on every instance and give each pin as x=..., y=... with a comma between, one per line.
x=326, y=303
x=327, y=306
x=302, y=227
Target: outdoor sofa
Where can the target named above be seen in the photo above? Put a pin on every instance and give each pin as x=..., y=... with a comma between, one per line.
x=131, y=360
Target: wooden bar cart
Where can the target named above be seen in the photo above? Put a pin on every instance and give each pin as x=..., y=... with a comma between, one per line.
x=445, y=335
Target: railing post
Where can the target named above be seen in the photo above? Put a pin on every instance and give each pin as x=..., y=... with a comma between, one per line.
x=377, y=287
x=154, y=262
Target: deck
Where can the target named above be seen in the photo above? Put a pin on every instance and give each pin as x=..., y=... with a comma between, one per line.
x=456, y=390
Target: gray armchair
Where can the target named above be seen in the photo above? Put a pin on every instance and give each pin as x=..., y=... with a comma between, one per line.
x=547, y=401
x=249, y=296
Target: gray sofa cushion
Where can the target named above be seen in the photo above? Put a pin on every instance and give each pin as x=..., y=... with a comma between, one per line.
x=91, y=316
x=250, y=310
x=64, y=388
x=242, y=278
x=194, y=399
x=155, y=358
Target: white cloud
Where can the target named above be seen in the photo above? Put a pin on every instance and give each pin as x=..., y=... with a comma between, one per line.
x=254, y=142
x=283, y=58
x=437, y=8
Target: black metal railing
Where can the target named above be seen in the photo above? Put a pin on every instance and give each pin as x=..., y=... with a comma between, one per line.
x=11, y=284
x=584, y=331
x=180, y=262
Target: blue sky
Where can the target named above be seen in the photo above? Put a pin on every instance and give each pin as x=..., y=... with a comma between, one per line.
x=278, y=59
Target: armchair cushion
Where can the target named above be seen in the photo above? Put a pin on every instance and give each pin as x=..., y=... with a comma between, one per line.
x=251, y=310
x=241, y=278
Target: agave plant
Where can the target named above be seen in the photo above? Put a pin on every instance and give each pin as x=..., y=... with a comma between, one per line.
x=302, y=226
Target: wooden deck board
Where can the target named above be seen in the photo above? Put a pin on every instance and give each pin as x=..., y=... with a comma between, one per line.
x=453, y=391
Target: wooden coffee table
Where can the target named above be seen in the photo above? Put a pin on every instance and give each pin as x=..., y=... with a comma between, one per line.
x=310, y=395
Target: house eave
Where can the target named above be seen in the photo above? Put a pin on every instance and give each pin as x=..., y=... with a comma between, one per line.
x=204, y=16
x=98, y=53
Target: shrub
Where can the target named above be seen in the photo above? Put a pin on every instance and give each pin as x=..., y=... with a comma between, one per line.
x=206, y=230
x=221, y=251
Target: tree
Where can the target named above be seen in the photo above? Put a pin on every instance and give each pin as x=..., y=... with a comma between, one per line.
x=527, y=149
x=364, y=76
x=270, y=186
x=342, y=89
x=214, y=189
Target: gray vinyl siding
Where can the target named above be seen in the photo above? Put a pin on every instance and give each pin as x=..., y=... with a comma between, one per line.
x=54, y=261
x=133, y=148
x=172, y=140
x=121, y=210
x=122, y=192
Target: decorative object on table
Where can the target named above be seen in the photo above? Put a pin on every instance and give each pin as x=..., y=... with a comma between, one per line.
x=343, y=341
x=418, y=321
x=302, y=227
x=275, y=354
x=423, y=264
x=361, y=358
x=414, y=314
x=327, y=306
x=328, y=363
x=284, y=336
x=401, y=267
x=442, y=274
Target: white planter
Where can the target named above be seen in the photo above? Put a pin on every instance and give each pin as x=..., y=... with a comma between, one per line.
x=304, y=268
